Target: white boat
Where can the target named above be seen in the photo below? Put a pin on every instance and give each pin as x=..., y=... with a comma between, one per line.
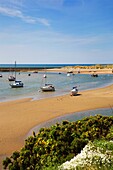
x=44, y=76
x=17, y=83
x=48, y=87
x=74, y=91
x=1, y=75
x=11, y=78
x=68, y=74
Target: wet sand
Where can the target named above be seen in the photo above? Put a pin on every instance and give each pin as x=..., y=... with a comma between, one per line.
x=19, y=116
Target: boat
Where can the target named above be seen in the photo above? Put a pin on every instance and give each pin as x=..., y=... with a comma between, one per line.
x=1, y=76
x=44, y=76
x=74, y=91
x=94, y=75
x=68, y=74
x=47, y=86
x=35, y=72
x=11, y=78
x=29, y=74
x=17, y=83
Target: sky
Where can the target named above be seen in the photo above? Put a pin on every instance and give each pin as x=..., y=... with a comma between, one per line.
x=56, y=31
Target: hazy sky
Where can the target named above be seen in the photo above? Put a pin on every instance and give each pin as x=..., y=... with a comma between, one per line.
x=56, y=31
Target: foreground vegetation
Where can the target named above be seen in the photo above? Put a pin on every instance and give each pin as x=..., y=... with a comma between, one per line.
x=53, y=146
x=97, y=155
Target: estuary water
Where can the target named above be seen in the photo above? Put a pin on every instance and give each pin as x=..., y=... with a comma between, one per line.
x=72, y=118
x=63, y=84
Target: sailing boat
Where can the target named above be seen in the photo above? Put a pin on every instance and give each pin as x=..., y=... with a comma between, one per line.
x=17, y=83
x=11, y=78
x=47, y=87
x=45, y=76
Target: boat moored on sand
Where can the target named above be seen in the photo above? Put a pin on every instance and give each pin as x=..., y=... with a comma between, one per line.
x=74, y=91
x=48, y=87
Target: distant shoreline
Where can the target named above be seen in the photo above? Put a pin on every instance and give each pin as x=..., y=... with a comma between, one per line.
x=82, y=70
x=108, y=69
x=39, y=67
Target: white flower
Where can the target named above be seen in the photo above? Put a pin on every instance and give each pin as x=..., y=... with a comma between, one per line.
x=90, y=155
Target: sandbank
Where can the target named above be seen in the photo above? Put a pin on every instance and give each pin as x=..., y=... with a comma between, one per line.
x=19, y=116
x=82, y=70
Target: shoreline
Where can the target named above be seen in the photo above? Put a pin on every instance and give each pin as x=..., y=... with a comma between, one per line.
x=82, y=70
x=74, y=69
x=18, y=117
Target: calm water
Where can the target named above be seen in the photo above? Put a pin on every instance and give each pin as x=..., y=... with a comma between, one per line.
x=72, y=117
x=62, y=83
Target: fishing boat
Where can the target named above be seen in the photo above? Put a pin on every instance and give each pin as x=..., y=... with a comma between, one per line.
x=74, y=91
x=17, y=83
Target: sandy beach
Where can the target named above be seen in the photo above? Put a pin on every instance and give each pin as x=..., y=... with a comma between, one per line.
x=19, y=116
x=82, y=70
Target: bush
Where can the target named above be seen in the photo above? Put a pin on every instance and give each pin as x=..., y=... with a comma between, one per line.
x=61, y=142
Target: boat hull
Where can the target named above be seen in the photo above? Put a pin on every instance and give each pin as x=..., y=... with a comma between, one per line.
x=94, y=75
x=48, y=88
x=74, y=91
x=11, y=78
x=17, y=84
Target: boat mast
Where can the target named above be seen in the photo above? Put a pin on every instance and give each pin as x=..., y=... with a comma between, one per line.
x=15, y=70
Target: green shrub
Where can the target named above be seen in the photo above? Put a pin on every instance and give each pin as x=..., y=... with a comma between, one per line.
x=61, y=142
